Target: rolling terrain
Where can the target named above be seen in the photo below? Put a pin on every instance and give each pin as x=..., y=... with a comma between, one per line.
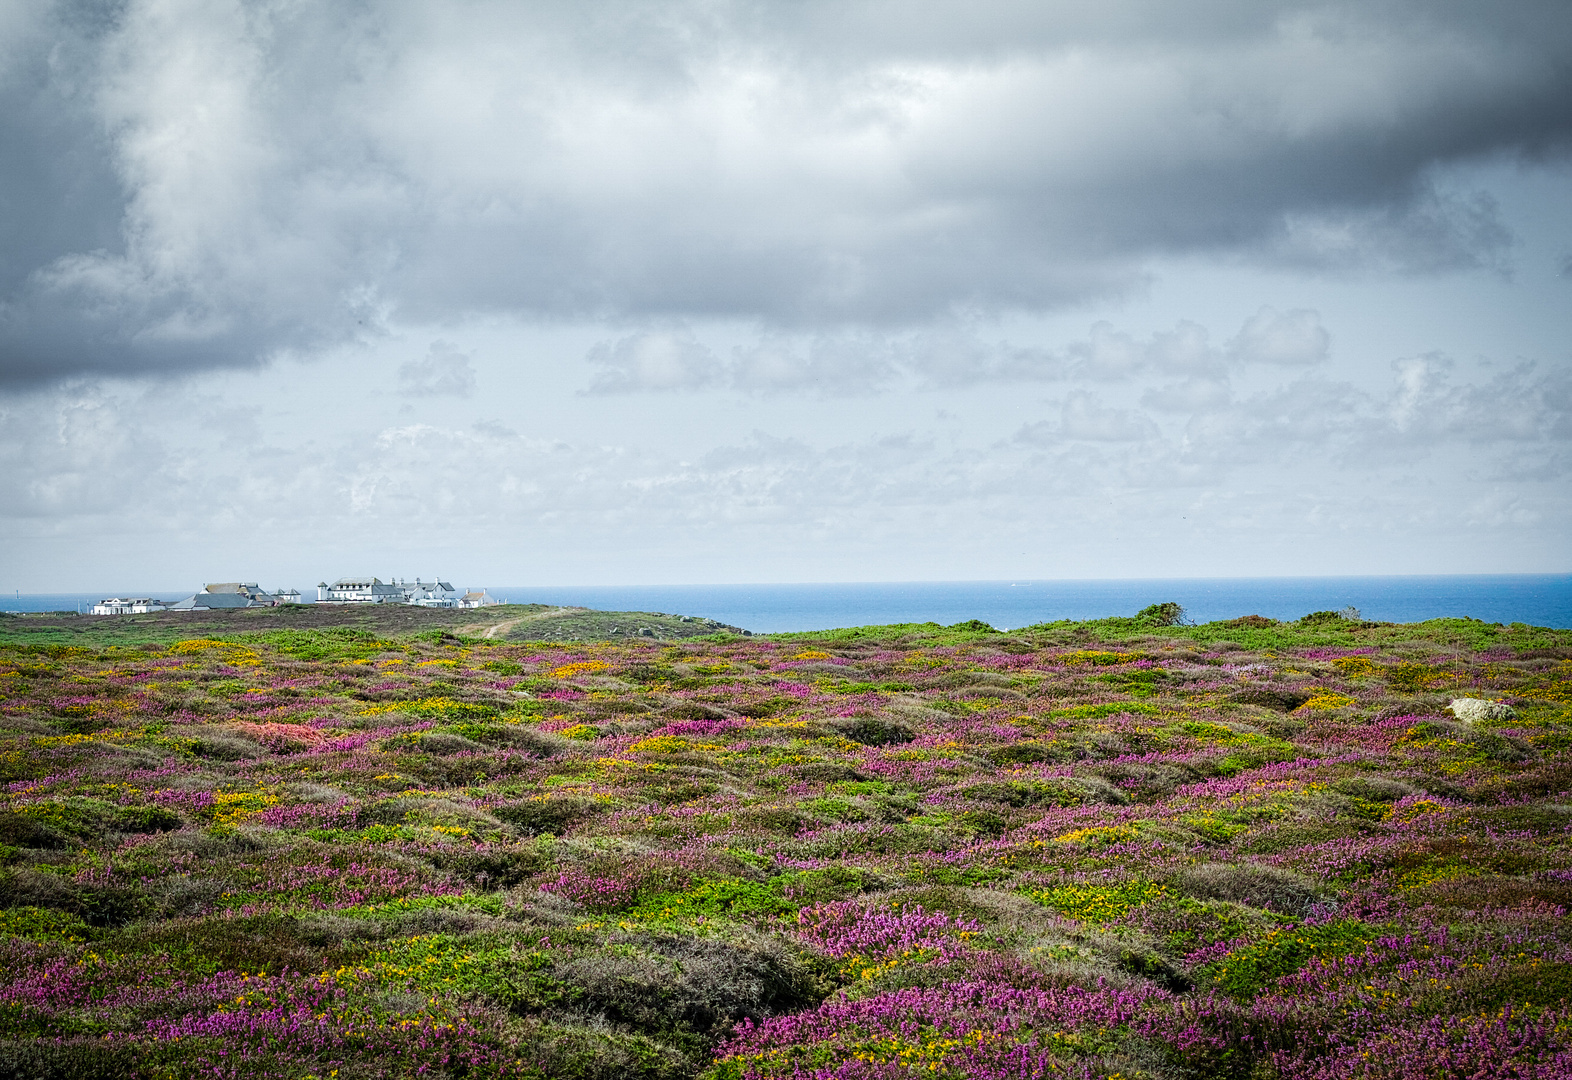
x=314, y=843
x=507, y=622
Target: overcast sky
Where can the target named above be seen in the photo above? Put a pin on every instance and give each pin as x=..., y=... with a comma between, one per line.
x=785, y=290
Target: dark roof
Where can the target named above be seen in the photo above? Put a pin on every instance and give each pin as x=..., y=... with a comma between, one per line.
x=206, y=601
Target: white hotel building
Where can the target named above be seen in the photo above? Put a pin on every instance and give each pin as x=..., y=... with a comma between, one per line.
x=371, y=590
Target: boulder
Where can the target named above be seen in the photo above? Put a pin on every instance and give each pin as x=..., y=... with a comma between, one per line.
x=1472, y=710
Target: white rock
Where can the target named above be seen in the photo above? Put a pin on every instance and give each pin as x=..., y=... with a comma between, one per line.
x=1471, y=710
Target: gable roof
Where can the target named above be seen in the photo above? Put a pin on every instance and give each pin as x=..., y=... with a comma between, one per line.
x=206, y=601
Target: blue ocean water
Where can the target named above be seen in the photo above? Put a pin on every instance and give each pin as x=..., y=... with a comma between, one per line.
x=1538, y=599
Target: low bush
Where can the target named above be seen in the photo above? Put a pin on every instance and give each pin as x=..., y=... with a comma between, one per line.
x=1167, y=614
x=1256, y=884
x=1282, y=952
x=684, y=989
x=873, y=730
x=546, y=815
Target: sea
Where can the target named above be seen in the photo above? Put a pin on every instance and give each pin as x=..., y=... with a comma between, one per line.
x=1536, y=599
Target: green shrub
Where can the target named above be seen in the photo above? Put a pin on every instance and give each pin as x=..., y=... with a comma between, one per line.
x=769, y=707
x=1168, y=614
x=77, y=1058
x=477, y=966
x=807, y=887
x=1102, y=711
x=43, y=924
x=732, y=898
x=25, y=831
x=1023, y=793
x=586, y=1048
x=1540, y=985
x=1096, y=902
x=332, y=643
x=1282, y=952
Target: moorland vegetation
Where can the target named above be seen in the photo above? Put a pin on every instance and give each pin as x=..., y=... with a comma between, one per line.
x=1122, y=848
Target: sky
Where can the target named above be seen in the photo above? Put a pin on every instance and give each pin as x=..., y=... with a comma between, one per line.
x=692, y=291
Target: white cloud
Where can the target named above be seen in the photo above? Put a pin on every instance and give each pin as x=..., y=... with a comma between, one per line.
x=1110, y=355
x=1314, y=458
x=1194, y=395
x=442, y=371
x=1292, y=338
x=1083, y=417
x=653, y=360
x=1520, y=405
x=952, y=354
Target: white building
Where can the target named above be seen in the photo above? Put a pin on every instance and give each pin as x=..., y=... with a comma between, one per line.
x=477, y=599
x=360, y=590
x=430, y=593
x=370, y=590
x=128, y=605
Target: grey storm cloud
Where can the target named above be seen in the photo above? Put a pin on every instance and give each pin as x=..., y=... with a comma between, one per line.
x=201, y=183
